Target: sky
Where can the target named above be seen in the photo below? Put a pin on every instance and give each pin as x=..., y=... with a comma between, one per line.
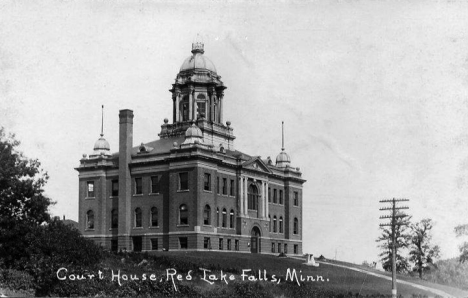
x=373, y=95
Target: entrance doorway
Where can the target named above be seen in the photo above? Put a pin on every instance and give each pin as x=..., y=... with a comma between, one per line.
x=137, y=243
x=255, y=240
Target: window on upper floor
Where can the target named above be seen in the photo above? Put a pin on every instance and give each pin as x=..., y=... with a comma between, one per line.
x=217, y=217
x=269, y=195
x=217, y=185
x=115, y=188
x=138, y=219
x=281, y=224
x=183, y=215
x=281, y=197
x=155, y=184
x=224, y=218
x=207, y=182
x=90, y=220
x=296, y=198
x=154, y=217
x=207, y=215
x=231, y=219
x=275, y=198
x=224, y=186
x=296, y=226
x=90, y=190
x=274, y=224
x=231, y=188
x=138, y=186
x=252, y=196
x=183, y=181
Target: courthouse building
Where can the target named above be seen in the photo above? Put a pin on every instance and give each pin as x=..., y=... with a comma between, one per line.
x=191, y=188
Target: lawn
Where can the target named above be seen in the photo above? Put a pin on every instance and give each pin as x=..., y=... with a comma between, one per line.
x=336, y=278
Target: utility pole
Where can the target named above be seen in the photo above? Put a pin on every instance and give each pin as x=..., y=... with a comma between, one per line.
x=394, y=223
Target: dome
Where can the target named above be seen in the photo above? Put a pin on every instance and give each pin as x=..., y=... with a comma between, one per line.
x=197, y=60
x=193, y=132
x=101, y=147
x=101, y=144
x=283, y=159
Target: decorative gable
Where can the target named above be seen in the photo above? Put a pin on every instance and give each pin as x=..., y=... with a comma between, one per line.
x=256, y=164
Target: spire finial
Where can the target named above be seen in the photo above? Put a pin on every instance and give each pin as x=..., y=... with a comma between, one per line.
x=282, y=135
x=198, y=46
x=102, y=121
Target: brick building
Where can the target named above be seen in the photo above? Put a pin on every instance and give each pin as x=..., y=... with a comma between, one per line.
x=190, y=189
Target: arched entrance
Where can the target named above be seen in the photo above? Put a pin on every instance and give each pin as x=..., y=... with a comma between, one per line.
x=255, y=240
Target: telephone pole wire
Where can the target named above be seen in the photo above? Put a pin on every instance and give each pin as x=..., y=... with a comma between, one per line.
x=394, y=223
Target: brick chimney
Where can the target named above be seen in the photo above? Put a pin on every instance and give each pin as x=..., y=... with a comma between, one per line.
x=125, y=179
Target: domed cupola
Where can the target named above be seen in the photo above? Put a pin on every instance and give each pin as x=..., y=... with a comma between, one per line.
x=283, y=160
x=198, y=60
x=193, y=135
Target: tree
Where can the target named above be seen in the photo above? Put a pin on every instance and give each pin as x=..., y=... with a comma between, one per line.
x=402, y=237
x=23, y=204
x=462, y=230
x=423, y=253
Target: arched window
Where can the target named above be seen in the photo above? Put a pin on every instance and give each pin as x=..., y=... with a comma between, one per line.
x=231, y=219
x=183, y=215
x=274, y=224
x=217, y=217
x=114, y=219
x=154, y=217
x=296, y=226
x=281, y=224
x=252, y=197
x=224, y=218
x=201, y=106
x=138, y=223
x=90, y=220
x=207, y=215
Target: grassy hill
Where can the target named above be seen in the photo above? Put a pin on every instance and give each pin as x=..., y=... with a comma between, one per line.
x=337, y=279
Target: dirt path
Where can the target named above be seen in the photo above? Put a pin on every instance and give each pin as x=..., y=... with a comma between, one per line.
x=421, y=287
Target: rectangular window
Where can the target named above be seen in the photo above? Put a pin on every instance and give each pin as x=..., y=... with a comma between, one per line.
x=281, y=197
x=115, y=188
x=279, y=247
x=273, y=249
x=217, y=184
x=154, y=244
x=269, y=195
x=296, y=249
x=231, y=188
x=285, y=248
x=221, y=244
x=275, y=199
x=236, y=244
x=90, y=189
x=296, y=198
x=155, y=185
x=229, y=244
x=206, y=243
x=224, y=186
x=183, y=242
x=138, y=186
x=207, y=182
x=114, y=245
x=183, y=181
